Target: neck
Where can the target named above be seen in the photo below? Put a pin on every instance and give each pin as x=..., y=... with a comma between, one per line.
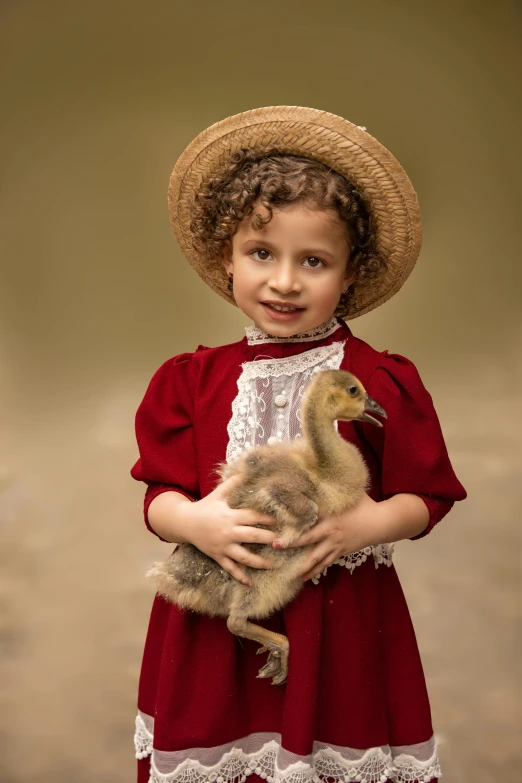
x=321, y=435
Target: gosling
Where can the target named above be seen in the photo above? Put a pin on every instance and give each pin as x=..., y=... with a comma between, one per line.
x=298, y=483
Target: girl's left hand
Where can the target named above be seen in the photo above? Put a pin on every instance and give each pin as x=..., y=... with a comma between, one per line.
x=340, y=535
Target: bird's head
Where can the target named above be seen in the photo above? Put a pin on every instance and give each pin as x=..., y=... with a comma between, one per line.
x=341, y=396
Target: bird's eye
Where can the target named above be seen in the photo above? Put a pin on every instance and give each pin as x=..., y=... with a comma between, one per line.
x=353, y=390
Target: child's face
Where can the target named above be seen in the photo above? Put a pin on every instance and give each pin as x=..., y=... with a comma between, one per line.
x=298, y=260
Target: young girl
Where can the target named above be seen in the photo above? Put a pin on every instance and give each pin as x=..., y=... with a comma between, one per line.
x=299, y=218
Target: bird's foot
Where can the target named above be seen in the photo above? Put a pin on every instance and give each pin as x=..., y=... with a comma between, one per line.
x=276, y=666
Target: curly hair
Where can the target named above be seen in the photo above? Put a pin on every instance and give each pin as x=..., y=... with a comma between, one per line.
x=271, y=179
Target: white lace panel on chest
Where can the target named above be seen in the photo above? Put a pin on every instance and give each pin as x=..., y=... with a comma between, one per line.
x=266, y=408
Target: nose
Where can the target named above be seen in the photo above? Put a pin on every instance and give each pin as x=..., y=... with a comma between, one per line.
x=284, y=278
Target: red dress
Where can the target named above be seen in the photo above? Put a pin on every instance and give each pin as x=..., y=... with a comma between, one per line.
x=355, y=706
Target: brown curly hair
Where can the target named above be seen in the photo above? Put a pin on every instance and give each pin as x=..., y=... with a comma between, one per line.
x=272, y=179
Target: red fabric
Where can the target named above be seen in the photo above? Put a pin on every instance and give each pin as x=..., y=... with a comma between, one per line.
x=410, y=452
x=143, y=770
x=355, y=676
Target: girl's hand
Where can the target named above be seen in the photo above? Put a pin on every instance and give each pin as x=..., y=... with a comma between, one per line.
x=218, y=531
x=336, y=536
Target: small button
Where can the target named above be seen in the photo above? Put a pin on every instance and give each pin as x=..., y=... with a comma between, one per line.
x=280, y=401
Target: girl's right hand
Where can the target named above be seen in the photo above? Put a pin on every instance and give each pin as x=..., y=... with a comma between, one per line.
x=218, y=531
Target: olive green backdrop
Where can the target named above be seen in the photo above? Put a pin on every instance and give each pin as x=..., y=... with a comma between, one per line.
x=97, y=101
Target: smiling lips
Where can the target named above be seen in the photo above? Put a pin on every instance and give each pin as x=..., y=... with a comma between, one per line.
x=283, y=307
x=282, y=311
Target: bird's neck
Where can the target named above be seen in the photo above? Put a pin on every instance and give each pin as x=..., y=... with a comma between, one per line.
x=322, y=436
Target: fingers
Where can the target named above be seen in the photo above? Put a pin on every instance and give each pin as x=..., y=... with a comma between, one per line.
x=245, y=516
x=319, y=568
x=242, y=516
x=243, y=556
x=317, y=533
x=321, y=556
x=234, y=570
x=254, y=535
x=225, y=487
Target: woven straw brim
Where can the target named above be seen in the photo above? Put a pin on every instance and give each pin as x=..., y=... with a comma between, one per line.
x=329, y=139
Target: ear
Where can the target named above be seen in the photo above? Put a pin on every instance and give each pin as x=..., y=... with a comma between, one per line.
x=349, y=277
x=227, y=258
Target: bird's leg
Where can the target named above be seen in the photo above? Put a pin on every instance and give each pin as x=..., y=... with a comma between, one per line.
x=277, y=645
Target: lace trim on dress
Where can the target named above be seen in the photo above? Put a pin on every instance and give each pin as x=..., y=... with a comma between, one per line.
x=143, y=735
x=382, y=555
x=329, y=355
x=263, y=755
x=256, y=336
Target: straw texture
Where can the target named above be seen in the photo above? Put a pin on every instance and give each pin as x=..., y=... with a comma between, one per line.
x=332, y=140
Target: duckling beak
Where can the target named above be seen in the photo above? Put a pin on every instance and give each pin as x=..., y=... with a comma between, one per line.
x=374, y=407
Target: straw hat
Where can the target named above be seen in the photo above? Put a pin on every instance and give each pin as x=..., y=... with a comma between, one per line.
x=332, y=140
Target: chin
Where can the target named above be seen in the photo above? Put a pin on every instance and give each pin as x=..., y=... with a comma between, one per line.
x=281, y=329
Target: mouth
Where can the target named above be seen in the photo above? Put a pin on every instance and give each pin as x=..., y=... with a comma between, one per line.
x=374, y=407
x=282, y=310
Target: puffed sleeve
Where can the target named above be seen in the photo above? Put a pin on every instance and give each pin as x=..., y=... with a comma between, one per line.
x=410, y=446
x=164, y=432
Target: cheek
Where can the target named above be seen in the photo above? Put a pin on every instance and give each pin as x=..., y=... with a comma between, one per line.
x=244, y=285
x=250, y=276
x=330, y=290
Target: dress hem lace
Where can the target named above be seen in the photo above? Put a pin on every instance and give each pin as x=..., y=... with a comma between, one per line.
x=263, y=755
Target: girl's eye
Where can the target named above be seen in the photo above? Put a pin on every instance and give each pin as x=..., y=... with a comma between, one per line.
x=260, y=254
x=313, y=262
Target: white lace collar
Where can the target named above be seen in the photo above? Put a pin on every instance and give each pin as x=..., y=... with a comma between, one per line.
x=256, y=336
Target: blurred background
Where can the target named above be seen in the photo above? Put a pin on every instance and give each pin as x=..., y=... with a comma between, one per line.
x=97, y=101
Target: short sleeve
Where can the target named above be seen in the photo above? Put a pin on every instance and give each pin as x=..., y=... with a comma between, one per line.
x=164, y=432
x=410, y=446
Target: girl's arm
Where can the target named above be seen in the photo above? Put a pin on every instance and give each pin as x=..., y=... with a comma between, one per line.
x=416, y=477
x=168, y=465
x=368, y=524
x=401, y=516
x=213, y=527
x=167, y=516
